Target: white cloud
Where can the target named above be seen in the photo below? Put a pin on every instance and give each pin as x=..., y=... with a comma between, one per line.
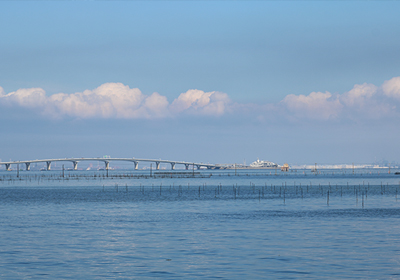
x=363, y=101
x=359, y=95
x=200, y=102
x=391, y=88
x=26, y=97
x=110, y=100
x=316, y=105
x=155, y=105
x=116, y=100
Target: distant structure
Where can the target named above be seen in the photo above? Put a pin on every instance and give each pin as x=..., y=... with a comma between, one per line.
x=258, y=164
x=285, y=167
x=106, y=160
x=263, y=164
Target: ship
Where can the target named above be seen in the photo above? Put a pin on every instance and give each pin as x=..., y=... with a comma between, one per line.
x=263, y=164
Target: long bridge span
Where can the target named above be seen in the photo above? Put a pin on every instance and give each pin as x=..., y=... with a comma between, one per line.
x=107, y=161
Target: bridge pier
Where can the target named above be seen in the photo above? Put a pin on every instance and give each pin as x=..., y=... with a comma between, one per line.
x=172, y=165
x=198, y=167
x=136, y=165
x=48, y=165
x=28, y=166
x=8, y=166
x=107, y=164
x=75, y=165
x=187, y=166
x=157, y=165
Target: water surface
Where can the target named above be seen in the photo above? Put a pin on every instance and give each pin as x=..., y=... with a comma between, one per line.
x=256, y=225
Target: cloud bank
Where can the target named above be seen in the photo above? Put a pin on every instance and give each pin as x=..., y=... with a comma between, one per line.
x=362, y=102
x=116, y=100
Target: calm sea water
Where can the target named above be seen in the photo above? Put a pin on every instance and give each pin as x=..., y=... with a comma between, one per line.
x=256, y=225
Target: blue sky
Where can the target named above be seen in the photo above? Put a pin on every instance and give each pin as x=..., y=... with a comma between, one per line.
x=297, y=82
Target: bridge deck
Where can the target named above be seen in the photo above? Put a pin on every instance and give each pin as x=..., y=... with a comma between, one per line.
x=106, y=161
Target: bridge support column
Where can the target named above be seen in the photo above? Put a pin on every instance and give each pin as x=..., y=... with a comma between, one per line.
x=8, y=166
x=136, y=165
x=48, y=165
x=28, y=166
x=75, y=165
x=157, y=165
x=187, y=166
x=107, y=164
x=198, y=167
x=172, y=165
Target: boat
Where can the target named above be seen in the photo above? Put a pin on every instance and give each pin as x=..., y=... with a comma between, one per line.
x=263, y=164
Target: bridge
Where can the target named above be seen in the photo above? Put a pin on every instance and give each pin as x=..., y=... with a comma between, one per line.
x=107, y=161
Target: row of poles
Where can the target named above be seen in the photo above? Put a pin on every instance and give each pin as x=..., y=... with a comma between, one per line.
x=283, y=191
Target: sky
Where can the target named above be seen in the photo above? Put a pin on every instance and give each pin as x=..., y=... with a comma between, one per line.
x=206, y=81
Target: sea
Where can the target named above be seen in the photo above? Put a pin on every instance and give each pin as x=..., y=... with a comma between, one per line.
x=201, y=224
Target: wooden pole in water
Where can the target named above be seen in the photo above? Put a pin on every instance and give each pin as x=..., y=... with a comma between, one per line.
x=284, y=196
x=362, y=200
x=356, y=197
x=151, y=168
x=327, y=199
